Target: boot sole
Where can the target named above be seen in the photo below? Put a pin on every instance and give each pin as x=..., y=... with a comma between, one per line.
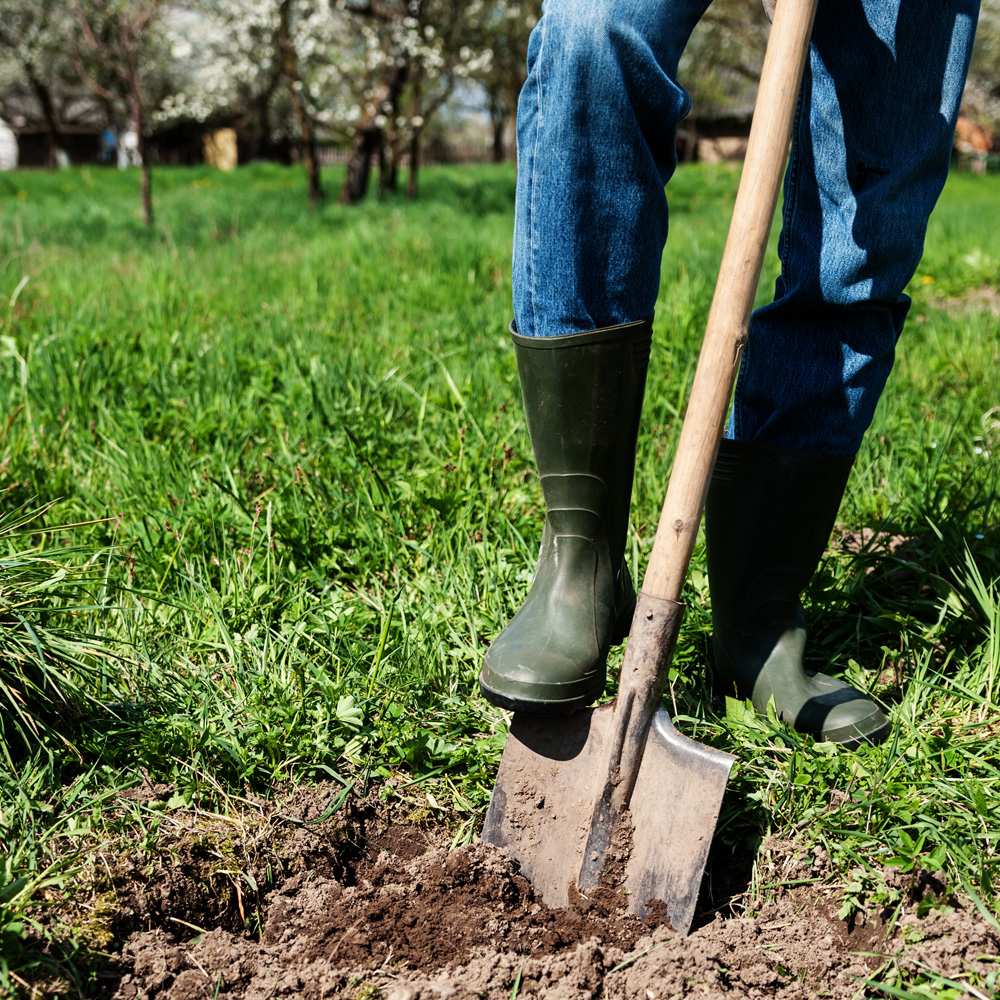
x=548, y=706
x=853, y=737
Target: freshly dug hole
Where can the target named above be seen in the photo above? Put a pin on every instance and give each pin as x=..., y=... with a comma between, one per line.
x=386, y=909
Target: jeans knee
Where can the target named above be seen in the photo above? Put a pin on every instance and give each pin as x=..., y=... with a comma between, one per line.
x=872, y=243
x=616, y=55
x=578, y=37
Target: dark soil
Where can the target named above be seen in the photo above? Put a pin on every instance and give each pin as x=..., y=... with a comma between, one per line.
x=366, y=904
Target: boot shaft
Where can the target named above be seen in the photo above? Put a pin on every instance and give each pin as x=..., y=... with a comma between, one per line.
x=768, y=517
x=582, y=397
x=767, y=521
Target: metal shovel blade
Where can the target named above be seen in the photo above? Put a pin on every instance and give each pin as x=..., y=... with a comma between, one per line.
x=543, y=802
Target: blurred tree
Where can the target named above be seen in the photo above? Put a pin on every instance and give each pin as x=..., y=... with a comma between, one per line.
x=982, y=93
x=246, y=49
x=372, y=73
x=123, y=58
x=289, y=58
x=233, y=69
x=414, y=53
x=508, y=29
x=33, y=33
x=721, y=65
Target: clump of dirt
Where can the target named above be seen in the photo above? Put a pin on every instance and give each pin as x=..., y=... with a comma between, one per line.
x=386, y=909
x=439, y=909
x=203, y=870
x=476, y=896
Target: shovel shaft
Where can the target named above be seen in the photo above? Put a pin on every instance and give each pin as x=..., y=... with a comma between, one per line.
x=726, y=332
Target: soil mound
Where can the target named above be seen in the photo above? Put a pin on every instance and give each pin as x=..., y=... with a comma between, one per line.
x=396, y=914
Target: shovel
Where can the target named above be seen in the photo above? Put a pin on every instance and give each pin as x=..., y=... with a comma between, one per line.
x=616, y=796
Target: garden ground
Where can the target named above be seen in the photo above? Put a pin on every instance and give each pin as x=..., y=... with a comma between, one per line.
x=369, y=906
x=267, y=497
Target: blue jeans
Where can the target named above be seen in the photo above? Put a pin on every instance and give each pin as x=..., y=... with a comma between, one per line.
x=597, y=123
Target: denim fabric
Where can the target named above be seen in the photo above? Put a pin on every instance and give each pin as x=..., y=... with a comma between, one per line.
x=597, y=121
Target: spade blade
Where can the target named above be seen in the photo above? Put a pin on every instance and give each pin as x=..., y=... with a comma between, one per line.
x=542, y=808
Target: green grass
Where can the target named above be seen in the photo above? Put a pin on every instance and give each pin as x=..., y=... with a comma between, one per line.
x=290, y=451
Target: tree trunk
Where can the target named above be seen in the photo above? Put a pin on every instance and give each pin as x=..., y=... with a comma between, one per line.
x=48, y=112
x=364, y=146
x=369, y=135
x=310, y=157
x=308, y=137
x=499, y=127
x=259, y=107
x=691, y=144
x=498, y=122
x=411, y=189
x=386, y=164
x=146, y=184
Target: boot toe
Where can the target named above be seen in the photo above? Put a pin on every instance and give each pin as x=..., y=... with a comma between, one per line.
x=842, y=715
x=866, y=724
x=540, y=682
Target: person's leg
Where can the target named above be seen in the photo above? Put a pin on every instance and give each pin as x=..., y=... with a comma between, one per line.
x=871, y=150
x=597, y=123
x=596, y=141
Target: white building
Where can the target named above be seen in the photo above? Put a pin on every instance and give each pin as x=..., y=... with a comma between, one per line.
x=8, y=147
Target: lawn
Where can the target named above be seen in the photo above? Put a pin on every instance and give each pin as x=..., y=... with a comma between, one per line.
x=266, y=496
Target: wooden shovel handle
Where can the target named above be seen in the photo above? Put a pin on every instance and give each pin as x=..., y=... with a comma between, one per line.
x=726, y=332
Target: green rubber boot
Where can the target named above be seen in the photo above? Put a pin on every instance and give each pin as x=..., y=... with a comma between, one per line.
x=768, y=516
x=582, y=398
